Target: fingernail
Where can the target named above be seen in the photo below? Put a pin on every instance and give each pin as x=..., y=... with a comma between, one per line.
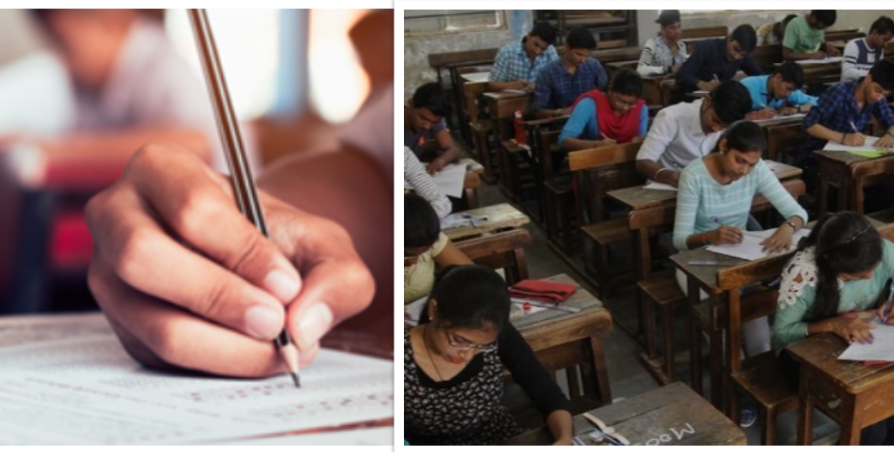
x=281, y=285
x=314, y=325
x=263, y=322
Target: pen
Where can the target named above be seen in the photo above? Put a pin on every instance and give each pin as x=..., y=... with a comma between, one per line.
x=887, y=311
x=716, y=79
x=244, y=189
x=854, y=127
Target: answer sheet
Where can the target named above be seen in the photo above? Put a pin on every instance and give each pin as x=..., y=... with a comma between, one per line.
x=451, y=179
x=85, y=389
x=881, y=348
x=868, y=145
x=750, y=248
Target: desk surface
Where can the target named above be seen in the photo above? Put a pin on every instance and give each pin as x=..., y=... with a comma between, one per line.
x=822, y=350
x=670, y=415
x=850, y=159
x=589, y=304
x=500, y=216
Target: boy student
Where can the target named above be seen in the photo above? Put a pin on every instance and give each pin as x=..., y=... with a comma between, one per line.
x=717, y=60
x=424, y=121
x=664, y=53
x=778, y=94
x=773, y=32
x=562, y=81
x=604, y=119
x=517, y=65
x=684, y=132
x=805, y=36
x=861, y=53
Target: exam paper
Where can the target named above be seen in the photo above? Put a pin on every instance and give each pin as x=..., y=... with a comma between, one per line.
x=652, y=185
x=750, y=247
x=451, y=179
x=826, y=60
x=360, y=437
x=881, y=348
x=85, y=389
x=868, y=145
x=413, y=311
x=780, y=118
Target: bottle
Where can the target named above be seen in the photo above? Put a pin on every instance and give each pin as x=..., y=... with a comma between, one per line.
x=520, y=136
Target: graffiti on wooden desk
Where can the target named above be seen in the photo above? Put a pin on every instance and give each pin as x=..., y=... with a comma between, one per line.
x=673, y=435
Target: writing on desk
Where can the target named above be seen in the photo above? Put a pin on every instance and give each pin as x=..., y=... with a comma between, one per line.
x=674, y=435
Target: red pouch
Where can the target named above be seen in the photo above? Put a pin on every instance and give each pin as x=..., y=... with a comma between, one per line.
x=550, y=292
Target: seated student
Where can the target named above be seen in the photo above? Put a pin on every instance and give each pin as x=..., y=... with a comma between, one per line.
x=598, y=119
x=805, y=36
x=824, y=295
x=773, y=32
x=778, y=94
x=713, y=206
x=424, y=121
x=684, y=132
x=718, y=60
x=861, y=53
x=423, y=185
x=517, y=65
x=453, y=366
x=425, y=248
x=665, y=53
x=561, y=82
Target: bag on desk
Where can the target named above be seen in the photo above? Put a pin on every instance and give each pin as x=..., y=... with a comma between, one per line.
x=550, y=292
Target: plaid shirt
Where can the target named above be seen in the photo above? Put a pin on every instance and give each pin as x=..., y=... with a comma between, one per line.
x=837, y=109
x=556, y=88
x=512, y=63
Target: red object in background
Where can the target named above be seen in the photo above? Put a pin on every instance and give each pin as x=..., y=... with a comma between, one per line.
x=547, y=291
x=71, y=246
x=520, y=136
x=527, y=306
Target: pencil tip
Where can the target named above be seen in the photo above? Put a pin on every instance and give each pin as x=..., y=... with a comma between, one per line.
x=297, y=379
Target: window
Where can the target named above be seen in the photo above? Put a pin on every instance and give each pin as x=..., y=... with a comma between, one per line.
x=452, y=21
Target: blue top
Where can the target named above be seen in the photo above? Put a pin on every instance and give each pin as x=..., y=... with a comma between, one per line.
x=512, y=63
x=837, y=108
x=584, y=123
x=556, y=88
x=757, y=88
x=708, y=60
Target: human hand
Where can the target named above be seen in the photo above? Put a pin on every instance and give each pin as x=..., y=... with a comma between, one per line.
x=435, y=166
x=709, y=85
x=781, y=240
x=788, y=111
x=854, y=139
x=832, y=51
x=765, y=113
x=187, y=282
x=852, y=329
x=885, y=142
x=605, y=142
x=725, y=235
x=818, y=55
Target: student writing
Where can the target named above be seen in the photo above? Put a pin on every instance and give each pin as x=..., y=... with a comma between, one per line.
x=516, y=65
x=561, y=82
x=604, y=119
x=718, y=60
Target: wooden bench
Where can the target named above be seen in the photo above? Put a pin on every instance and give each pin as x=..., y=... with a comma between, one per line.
x=500, y=250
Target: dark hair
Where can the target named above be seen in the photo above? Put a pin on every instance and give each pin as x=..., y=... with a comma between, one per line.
x=882, y=73
x=825, y=17
x=731, y=101
x=544, y=31
x=789, y=18
x=845, y=243
x=882, y=25
x=581, y=38
x=470, y=296
x=421, y=224
x=430, y=96
x=668, y=17
x=746, y=37
x=743, y=136
x=791, y=73
x=627, y=82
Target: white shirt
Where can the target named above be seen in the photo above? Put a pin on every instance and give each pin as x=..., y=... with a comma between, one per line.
x=424, y=186
x=676, y=137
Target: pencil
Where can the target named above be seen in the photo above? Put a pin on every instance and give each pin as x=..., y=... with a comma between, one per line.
x=244, y=189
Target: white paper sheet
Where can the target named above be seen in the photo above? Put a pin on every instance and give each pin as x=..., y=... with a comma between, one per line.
x=826, y=60
x=360, y=437
x=451, y=179
x=476, y=77
x=881, y=348
x=87, y=390
x=750, y=247
x=781, y=118
x=413, y=311
x=868, y=145
x=652, y=185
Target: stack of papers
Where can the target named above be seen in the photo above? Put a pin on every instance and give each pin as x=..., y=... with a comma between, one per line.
x=750, y=248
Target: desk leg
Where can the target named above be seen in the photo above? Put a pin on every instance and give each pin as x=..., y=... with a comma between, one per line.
x=695, y=343
x=851, y=422
x=824, y=195
x=733, y=345
x=805, y=409
x=844, y=194
x=859, y=195
x=605, y=391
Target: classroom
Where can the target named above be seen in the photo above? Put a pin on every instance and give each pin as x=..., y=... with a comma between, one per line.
x=648, y=227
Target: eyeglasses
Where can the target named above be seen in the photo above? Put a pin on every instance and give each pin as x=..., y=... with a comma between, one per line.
x=465, y=346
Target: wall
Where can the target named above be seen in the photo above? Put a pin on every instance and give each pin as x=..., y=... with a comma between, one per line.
x=417, y=48
x=18, y=36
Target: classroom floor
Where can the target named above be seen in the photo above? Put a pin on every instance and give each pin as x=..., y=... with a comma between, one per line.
x=627, y=376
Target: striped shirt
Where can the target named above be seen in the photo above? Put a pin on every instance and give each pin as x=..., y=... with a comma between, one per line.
x=657, y=57
x=417, y=178
x=858, y=59
x=700, y=199
x=512, y=63
x=556, y=88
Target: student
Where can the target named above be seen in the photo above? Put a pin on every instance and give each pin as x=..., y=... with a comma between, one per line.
x=713, y=204
x=845, y=109
x=454, y=361
x=561, y=82
x=773, y=32
x=424, y=121
x=685, y=132
x=425, y=248
x=861, y=53
x=423, y=185
x=842, y=268
x=665, y=53
x=599, y=119
x=805, y=36
x=718, y=60
x=778, y=94
x=517, y=65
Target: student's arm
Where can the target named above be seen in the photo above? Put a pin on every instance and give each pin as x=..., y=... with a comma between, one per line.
x=785, y=204
x=423, y=185
x=790, y=41
x=849, y=69
x=688, y=199
x=451, y=255
x=886, y=119
x=583, y=118
x=643, y=121
x=657, y=139
x=824, y=110
x=799, y=99
x=687, y=73
x=500, y=86
x=450, y=154
x=601, y=75
x=529, y=373
x=498, y=80
x=831, y=50
x=543, y=95
x=750, y=67
x=647, y=66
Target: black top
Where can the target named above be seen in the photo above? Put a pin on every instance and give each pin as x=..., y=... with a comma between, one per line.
x=708, y=60
x=466, y=409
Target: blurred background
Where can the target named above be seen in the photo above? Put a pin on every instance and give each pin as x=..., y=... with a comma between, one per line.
x=81, y=90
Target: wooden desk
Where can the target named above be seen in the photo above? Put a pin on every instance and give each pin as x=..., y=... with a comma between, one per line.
x=670, y=415
x=475, y=77
x=500, y=250
x=563, y=340
x=850, y=393
x=499, y=217
x=850, y=174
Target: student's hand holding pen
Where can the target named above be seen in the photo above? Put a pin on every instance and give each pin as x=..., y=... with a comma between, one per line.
x=186, y=281
x=725, y=235
x=854, y=139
